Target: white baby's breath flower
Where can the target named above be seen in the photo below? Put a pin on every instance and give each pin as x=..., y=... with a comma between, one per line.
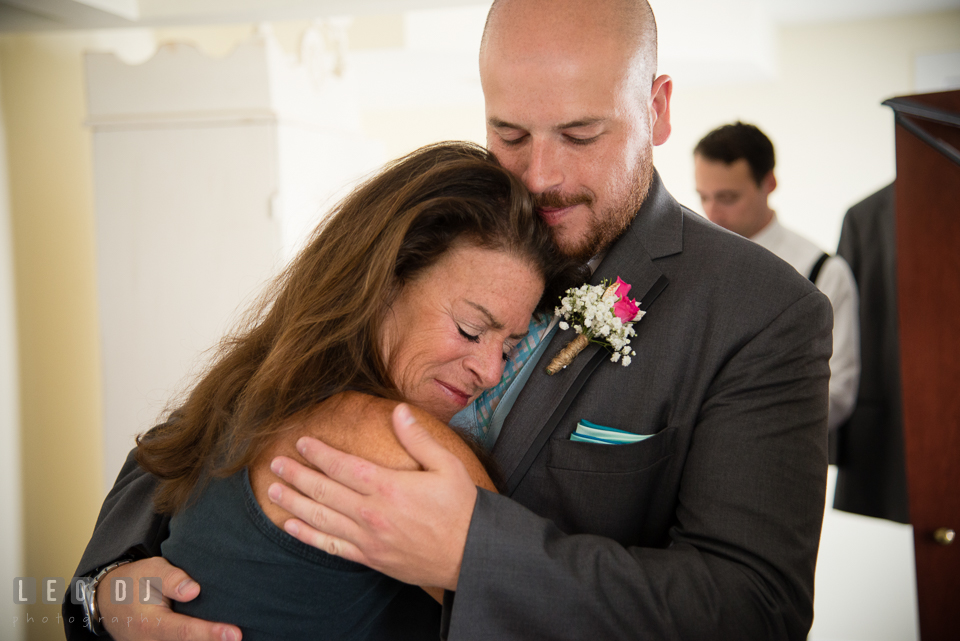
x=589, y=309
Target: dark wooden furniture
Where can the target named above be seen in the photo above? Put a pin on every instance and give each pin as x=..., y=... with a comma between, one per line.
x=928, y=265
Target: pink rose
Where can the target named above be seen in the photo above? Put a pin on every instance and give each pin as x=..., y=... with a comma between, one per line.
x=626, y=308
x=622, y=288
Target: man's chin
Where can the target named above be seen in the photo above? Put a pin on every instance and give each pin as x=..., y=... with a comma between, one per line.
x=580, y=248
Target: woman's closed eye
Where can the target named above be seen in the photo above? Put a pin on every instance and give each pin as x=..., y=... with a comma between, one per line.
x=470, y=337
x=508, y=347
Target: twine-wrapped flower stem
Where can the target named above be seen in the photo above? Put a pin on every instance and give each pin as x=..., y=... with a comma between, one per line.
x=567, y=354
x=599, y=313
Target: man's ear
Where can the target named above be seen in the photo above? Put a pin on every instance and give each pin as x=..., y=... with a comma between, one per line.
x=659, y=109
x=769, y=183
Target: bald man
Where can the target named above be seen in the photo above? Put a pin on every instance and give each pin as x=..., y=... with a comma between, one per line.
x=706, y=525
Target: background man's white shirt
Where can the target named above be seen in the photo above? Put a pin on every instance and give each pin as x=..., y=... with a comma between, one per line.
x=837, y=282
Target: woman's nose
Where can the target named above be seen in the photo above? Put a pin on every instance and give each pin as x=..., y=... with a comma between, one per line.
x=487, y=365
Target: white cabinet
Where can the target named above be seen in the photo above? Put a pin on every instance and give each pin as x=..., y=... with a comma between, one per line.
x=208, y=174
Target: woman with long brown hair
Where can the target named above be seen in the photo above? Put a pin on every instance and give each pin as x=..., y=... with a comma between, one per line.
x=415, y=289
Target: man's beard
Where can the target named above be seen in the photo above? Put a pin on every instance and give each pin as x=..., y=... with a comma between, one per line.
x=606, y=226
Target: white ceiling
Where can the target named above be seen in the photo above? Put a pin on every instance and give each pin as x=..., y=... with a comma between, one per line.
x=28, y=15
x=702, y=42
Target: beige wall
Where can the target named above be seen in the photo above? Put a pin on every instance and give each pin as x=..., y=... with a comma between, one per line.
x=11, y=527
x=51, y=208
x=834, y=142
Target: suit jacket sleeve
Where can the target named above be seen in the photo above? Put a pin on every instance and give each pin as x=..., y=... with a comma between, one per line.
x=740, y=556
x=127, y=525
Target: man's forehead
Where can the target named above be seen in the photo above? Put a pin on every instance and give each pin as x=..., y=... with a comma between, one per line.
x=555, y=92
x=542, y=47
x=717, y=175
x=557, y=82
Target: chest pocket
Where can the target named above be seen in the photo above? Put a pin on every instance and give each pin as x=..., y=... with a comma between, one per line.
x=624, y=492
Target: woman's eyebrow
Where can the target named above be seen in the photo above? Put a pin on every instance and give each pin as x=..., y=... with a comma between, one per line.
x=494, y=323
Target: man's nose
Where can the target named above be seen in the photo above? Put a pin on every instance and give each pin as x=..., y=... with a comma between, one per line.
x=543, y=171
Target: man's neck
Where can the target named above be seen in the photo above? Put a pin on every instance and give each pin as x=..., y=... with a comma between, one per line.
x=768, y=217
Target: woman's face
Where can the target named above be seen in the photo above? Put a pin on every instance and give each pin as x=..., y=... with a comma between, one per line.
x=446, y=334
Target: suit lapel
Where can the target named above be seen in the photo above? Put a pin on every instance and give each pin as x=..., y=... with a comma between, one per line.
x=536, y=403
x=659, y=224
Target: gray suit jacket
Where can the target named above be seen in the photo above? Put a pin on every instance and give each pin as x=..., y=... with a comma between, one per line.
x=707, y=530
x=872, y=476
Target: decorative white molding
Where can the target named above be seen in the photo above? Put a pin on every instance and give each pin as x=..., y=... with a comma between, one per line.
x=257, y=81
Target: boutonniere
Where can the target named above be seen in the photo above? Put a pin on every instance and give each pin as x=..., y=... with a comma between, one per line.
x=599, y=314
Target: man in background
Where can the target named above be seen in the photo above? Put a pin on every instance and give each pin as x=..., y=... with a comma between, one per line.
x=734, y=175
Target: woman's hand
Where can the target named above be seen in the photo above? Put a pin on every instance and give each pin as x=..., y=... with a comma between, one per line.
x=411, y=525
x=155, y=619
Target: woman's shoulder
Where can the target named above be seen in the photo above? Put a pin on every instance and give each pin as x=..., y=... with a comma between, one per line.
x=362, y=425
x=358, y=424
